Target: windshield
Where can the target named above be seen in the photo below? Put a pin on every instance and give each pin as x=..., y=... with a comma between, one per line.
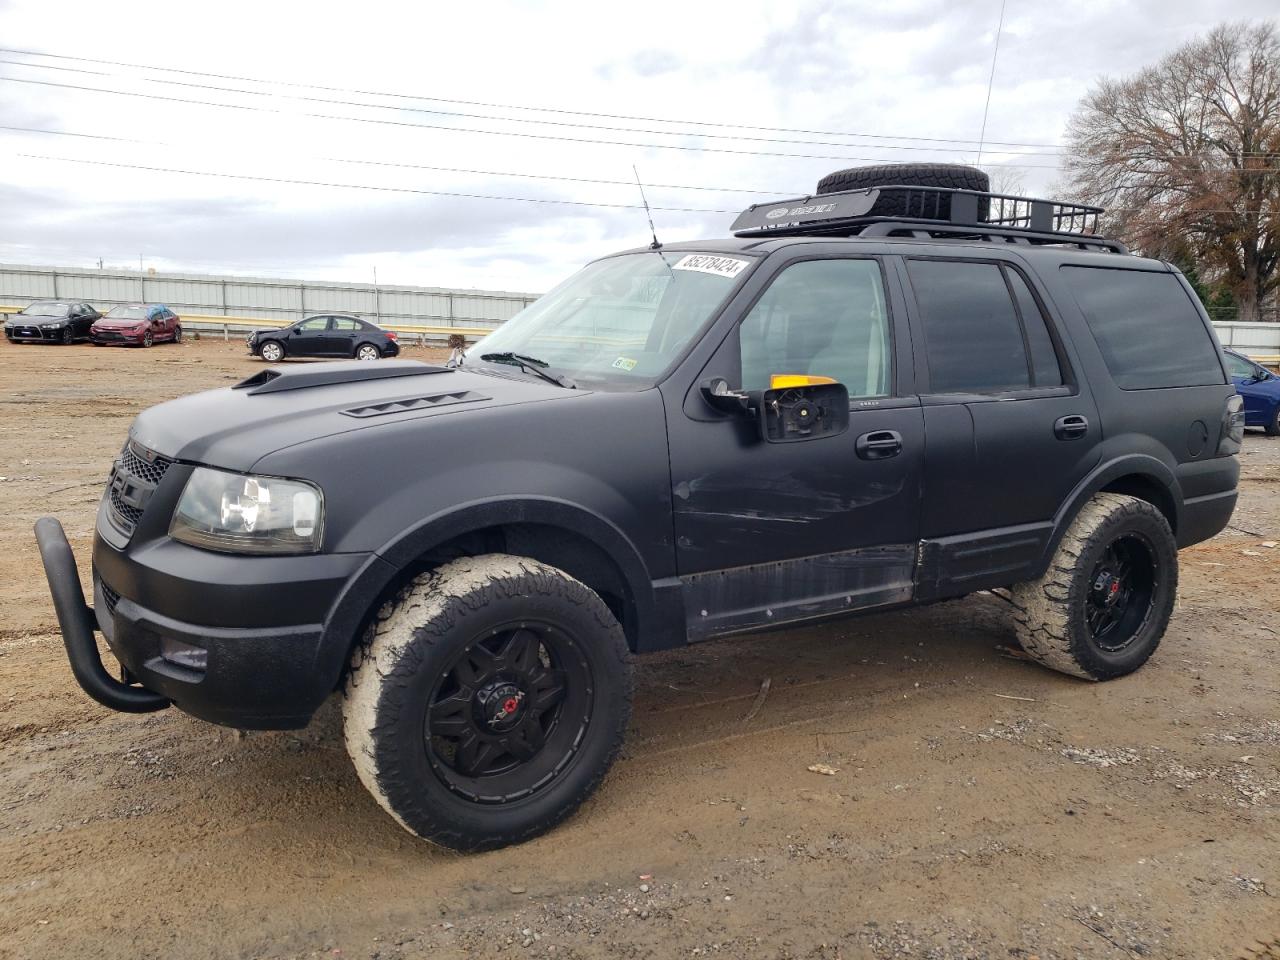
x=46, y=308
x=127, y=313
x=618, y=322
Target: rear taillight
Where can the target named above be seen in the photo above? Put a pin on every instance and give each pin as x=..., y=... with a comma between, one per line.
x=1232, y=437
x=390, y=335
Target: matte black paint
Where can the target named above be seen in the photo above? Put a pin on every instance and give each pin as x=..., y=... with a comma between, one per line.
x=664, y=504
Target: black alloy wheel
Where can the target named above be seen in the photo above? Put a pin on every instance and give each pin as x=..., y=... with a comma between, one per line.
x=509, y=713
x=1121, y=592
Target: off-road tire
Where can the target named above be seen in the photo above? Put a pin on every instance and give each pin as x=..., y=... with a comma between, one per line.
x=408, y=649
x=918, y=204
x=268, y=346
x=1050, y=613
x=1272, y=426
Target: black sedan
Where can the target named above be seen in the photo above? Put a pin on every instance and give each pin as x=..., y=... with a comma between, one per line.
x=51, y=321
x=327, y=335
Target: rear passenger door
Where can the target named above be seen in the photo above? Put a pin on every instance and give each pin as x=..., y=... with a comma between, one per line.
x=342, y=336
x=1009, y=430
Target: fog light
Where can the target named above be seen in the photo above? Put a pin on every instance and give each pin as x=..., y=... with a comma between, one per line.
x=183, y=654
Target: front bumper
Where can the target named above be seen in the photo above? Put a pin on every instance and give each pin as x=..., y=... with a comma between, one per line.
x=25, y=334
x=119, y=338
x=271, y=661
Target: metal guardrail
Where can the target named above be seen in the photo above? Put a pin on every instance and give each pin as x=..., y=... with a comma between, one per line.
x=240, y=325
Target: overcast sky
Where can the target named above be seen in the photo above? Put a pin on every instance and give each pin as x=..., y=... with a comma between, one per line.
x=863, y=78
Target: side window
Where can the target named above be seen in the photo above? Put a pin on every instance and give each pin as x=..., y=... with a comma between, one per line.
x=1240, y=367
x=1044, y=359
x=1146, y=326
x=973, y=340
x=345, y=323
x=314, y=325
x=821, y=318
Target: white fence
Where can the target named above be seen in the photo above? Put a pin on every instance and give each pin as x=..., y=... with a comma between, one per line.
x=274, y=300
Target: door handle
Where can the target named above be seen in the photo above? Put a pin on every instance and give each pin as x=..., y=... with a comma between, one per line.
x=879, y=445
x=1071, y=427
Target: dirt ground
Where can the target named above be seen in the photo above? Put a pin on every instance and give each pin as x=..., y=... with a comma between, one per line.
x=981, y=806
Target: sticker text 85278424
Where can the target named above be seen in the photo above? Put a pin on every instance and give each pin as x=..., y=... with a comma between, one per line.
x=706, y=263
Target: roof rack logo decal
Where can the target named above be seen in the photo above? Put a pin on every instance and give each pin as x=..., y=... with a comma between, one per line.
x=800, y=211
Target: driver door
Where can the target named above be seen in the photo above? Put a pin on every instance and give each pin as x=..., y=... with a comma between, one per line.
x=768, y=533
x=309, y=338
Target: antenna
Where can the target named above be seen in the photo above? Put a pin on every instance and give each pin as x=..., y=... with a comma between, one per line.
x=655, y=245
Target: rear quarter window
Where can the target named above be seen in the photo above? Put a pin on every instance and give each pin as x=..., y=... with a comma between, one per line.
x=1147, y=328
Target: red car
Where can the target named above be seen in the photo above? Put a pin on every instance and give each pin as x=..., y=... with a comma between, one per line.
x=137, y=324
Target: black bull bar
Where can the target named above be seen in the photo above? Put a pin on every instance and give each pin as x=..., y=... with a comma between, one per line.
x=77, y=623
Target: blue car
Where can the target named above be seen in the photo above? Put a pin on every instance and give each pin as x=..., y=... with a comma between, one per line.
x=1260, y=389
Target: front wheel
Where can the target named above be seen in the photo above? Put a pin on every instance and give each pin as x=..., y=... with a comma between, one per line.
x=487, y=701
x=271, y=352
x=148, y=339
x=368, y=351
x=68, y=336
x=1273, y=422
x=1102, y=607
x=177, y=334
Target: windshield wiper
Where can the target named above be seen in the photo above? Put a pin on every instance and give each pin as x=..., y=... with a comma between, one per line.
x=529, y=365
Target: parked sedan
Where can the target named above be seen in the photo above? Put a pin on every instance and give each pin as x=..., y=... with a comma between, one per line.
x=137, y=324
x=1260, y=389
x=327, y=335
x=51, y=321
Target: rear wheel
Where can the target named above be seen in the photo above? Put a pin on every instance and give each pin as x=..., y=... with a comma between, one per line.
x=271, y=352
x=1102, y=607
x=367, y=351
x=488, y=701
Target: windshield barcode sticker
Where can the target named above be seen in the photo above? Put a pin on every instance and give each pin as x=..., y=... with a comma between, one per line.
x=705, y=263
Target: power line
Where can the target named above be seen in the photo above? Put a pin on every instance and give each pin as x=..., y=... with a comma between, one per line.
x=361, y=186
x=484, y=116
x=422, y=166
x=453, y=129
x=419, y=191
x=511, y=106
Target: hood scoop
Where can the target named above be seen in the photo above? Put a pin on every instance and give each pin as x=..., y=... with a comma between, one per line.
x=327, y=374
x=415, y=403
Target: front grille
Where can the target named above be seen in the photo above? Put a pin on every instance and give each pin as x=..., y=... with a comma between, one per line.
x=135, y=463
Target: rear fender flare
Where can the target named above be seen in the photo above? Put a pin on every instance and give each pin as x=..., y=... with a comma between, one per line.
x=1133, y=465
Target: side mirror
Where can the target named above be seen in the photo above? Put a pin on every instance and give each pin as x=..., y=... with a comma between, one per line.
x=809, y=412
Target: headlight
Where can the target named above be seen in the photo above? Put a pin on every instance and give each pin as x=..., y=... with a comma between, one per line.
x=53, y=326
x=235, y=513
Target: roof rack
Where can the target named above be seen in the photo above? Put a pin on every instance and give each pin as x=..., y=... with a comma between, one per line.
x=929, y=213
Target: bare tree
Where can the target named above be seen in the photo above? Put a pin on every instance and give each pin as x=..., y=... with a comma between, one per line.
x=1186, y=155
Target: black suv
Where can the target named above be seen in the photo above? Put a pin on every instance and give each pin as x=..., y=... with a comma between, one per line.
x=325, y=335
x=880, y=396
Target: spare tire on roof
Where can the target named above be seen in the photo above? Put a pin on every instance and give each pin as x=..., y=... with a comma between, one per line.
x=922, y=204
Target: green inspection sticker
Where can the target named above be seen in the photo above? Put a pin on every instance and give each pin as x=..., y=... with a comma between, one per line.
x=625, y=363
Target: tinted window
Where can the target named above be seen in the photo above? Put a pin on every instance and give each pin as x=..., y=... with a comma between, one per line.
x=345, y=323
x=972, y=336
x=1239, y=366
x=1044, y=360
x=822, y=318
x=1147, y=328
